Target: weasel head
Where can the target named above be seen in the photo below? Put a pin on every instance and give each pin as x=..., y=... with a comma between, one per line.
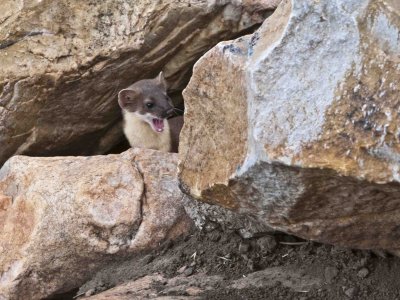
x=149, y=101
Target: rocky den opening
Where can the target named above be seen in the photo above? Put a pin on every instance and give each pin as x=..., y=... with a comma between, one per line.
x=286, y=181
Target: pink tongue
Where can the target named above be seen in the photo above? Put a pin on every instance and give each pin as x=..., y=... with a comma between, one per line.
x=158, y=124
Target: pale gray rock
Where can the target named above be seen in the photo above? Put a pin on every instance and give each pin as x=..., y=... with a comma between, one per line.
x=297, y=125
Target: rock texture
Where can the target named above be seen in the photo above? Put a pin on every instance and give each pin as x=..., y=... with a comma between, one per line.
x=181, y=287
x=62, y=219
x=297, y=125
x=148, y=287
x=63, y=63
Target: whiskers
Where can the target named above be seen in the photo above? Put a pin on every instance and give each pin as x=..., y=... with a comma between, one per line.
x=175, y=111
x=178, y=110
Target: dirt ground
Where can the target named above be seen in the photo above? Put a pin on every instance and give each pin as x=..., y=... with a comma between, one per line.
x=274, y=266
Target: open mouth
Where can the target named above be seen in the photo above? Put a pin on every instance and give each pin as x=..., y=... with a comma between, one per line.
x=158, y=124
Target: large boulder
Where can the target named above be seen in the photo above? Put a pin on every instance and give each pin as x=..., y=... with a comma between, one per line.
x=62, y=219
x=297, y=125
x=63, y=63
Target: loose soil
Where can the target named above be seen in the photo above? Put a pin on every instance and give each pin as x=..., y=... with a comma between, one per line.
x=329, y=272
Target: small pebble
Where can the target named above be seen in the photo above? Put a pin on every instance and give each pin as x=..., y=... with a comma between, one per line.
x=363, y=272
x=266, y=243
x=244, y=248
x=350, y=292
x=330, y=273
x=182, y=269
x=188, y=272
x=245, y=234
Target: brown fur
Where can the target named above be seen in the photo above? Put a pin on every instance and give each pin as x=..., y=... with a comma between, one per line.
x=143, y=101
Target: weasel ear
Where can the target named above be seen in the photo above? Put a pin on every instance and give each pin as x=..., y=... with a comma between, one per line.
x=127, y=99
x=161, y=80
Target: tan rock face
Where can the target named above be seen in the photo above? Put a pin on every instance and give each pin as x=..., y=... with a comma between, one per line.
x=61, y=219
x=204, y=140
x=314, y=148
x=63, y=63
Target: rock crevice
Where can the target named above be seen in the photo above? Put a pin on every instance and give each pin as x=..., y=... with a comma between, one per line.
x=64, y=62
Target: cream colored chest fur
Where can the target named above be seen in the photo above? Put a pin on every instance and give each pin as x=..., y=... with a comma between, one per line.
x=140, y=134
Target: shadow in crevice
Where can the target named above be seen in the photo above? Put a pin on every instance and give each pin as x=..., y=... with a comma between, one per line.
x=64, y=296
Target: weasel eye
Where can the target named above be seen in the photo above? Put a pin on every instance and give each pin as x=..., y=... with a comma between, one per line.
x=149, y=105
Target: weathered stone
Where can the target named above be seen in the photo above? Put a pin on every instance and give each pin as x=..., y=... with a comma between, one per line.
x=194, y=287
x=293, y=279
x=146, y=288
x=207, y=217
x=363, y=273
x=62, y=219
x=63, y=63
x=330, y=274
x=297, y=125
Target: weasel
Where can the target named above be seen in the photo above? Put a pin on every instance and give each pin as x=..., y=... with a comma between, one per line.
x=147, y=112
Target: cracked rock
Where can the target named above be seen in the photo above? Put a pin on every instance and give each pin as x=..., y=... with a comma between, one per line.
x=64, y=218
x=63, y=63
